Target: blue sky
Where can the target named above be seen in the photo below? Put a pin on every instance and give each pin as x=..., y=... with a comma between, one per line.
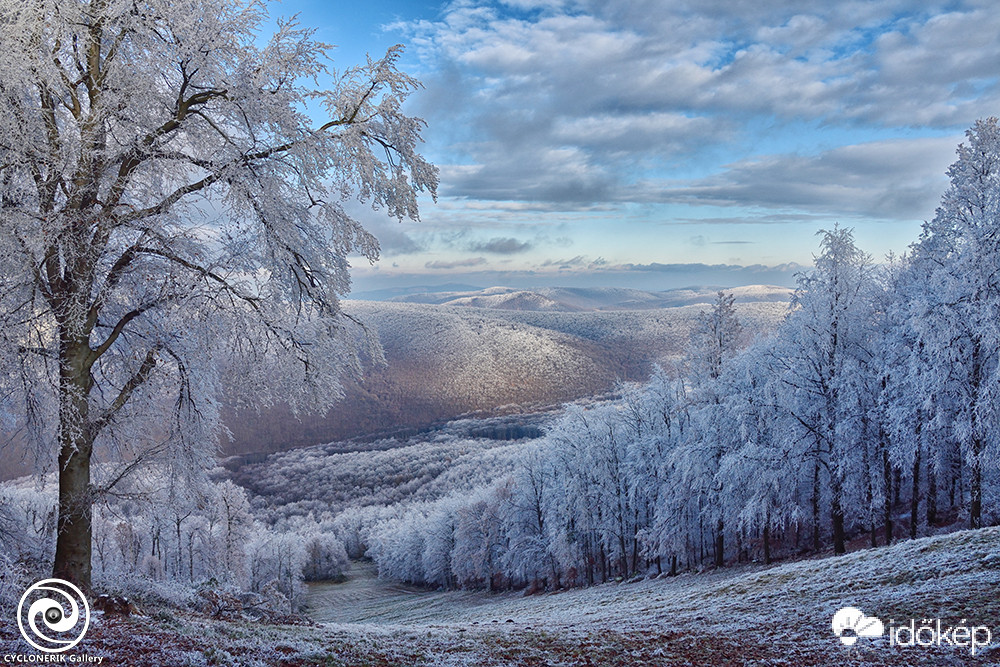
x=664, y=143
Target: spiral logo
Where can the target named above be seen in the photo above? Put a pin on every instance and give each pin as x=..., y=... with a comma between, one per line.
x=53, y=615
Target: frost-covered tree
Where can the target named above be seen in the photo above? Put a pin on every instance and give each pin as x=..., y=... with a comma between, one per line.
x=169, y=212
x=232, y=509
x=276, y=563
x=481, y=543
x=530, y=554
x=823, y=339
x=715, y=339
x=713, y=343
x=957, y=303
x=762, y=468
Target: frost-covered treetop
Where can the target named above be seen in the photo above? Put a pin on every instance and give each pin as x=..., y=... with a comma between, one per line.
x=156, y=159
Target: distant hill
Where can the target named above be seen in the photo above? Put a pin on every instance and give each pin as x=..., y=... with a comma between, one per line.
x=514, y=300
x=390, y=292
x=572, y=299
x=445, y=361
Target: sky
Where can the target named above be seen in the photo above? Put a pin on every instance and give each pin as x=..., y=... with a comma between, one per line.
x=665, y=143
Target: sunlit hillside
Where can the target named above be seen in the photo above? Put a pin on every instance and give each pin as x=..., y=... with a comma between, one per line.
x=446, y=361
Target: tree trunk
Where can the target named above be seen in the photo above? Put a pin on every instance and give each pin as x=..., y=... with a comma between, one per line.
x=635, y=543
x=180, y=550
x=915, y=493
x=623, y=558
x=815, y=507
x=720, y=544
x=887, y=485
x=976, y=485
x=74, y=525
x=767, y=543
x=931, y=496
x=73, y=537
x=837, y=519
x=701, y=539
x=870, y=490
x=976, y=464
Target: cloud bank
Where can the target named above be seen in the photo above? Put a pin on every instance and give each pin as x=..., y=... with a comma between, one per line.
x=623, y=101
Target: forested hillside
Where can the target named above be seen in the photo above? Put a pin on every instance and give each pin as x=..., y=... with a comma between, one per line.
x=445, y=361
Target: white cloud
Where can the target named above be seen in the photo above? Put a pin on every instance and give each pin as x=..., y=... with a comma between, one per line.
x=887, y=179
x=577, y=103
x=446, y=265
x=501, y=246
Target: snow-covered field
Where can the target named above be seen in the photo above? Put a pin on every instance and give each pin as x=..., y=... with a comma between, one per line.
x=748, y=615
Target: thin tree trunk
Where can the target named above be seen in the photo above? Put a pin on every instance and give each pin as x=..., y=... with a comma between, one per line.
x=701, y=539
x=976, y=485
x=870, y=492
x=720, y=544
x=931, y=496
x=887, y=493
x=837, y=517
x=767, y=543
x=915, y=493
x=815, y=507
x=976, y=465
x=623, y=558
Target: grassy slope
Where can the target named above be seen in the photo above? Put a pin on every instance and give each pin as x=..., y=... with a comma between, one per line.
x=740, y=616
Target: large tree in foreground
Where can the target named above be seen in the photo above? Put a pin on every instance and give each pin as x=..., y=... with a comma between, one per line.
x=172, y=218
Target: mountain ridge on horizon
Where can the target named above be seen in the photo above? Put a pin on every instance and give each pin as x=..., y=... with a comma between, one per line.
x=577, y=299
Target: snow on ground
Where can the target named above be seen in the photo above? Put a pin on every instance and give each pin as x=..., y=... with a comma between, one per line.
x=779, y=615
x=747, y=615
